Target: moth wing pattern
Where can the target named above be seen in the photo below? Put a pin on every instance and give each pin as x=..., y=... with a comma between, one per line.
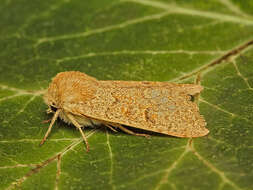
x=161, y=107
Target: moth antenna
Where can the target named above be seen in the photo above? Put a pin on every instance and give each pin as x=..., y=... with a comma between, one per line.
x=77, y=125
x=50, y=126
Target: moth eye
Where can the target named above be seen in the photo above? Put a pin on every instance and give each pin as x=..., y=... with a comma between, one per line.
x=54, y=109
x=192, y=98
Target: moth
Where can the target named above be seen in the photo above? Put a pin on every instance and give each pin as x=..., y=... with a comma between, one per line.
x=160, y=107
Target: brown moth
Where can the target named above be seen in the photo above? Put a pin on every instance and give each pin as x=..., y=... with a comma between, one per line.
x=160, y=107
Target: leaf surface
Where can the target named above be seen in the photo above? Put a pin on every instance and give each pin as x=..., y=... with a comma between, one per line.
x=209, y=43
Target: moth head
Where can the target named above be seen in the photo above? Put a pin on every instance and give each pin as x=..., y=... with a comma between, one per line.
x=66, y=87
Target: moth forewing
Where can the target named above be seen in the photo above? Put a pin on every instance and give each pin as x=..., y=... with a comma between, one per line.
x=160, y=107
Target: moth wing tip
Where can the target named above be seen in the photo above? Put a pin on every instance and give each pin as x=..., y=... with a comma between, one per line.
x=203, y=133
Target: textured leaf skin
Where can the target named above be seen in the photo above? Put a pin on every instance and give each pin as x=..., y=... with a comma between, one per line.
x=209, y=43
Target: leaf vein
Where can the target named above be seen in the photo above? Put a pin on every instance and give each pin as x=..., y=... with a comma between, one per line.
x=48, y=161
x=164, y=178
x=234, y=8
x=102, y=30
x=136, y=52
x=215, y=170
x=111, y=160
x=245, y=79
x=231, y=54
x=186, y=11
x=225, y=111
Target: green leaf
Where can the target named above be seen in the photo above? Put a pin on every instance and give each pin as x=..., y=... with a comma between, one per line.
x=206, y=42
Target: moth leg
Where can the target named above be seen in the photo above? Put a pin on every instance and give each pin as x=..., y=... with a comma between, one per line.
x=78, y=126
x=110, y=127
x=129, y=131
x=50, y=126
x=46, y=121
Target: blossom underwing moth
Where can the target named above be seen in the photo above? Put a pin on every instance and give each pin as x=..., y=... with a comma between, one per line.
x=160, y=107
